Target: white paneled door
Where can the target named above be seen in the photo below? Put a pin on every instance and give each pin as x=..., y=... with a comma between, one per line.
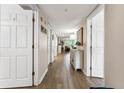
x=98, y=45
x=16, y=49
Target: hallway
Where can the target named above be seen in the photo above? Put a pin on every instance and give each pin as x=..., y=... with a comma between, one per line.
x=61, y=75
x=34, y=36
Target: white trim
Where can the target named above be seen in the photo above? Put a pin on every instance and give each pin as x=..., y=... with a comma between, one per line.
x=36, y=47
x=85, y=73
x=97, y=10
x=43, y=75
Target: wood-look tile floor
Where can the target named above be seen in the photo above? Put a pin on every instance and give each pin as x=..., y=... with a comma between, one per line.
x=61, y=75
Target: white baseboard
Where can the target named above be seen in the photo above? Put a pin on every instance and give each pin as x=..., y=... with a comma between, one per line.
x=40, y=80
x=85, y=73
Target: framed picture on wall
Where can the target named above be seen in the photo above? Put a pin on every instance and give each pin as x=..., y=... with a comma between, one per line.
x=43, y=29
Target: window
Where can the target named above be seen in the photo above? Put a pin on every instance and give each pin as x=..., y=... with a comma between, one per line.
x=70, y=43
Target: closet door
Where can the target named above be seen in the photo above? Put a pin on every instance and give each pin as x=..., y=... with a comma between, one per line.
x=98, y=45
x=15, y=48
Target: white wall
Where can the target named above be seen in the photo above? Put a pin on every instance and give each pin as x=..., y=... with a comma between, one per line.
x=86, y=49
x=40, y=50
x=42, y=54
x=49, y=44
x=114, y=46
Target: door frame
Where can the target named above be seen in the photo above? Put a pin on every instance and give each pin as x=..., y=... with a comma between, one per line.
x=89, y=37
x=33, y=41
x=35, y=48
x=90, y=48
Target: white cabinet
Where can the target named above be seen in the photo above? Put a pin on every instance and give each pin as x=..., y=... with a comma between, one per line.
x=75, y=58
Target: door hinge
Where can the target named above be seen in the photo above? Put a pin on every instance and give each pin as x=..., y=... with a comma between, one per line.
x=32, y=46
x=90, y=47
x=33, y=73
x=91, y=26
x=90, y=68
x=33, y=19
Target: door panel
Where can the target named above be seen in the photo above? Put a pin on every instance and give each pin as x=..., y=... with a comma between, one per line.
x=16, y=49
x=98, y=45
x=21, y=63
x=5, y=72
x=21, y=32
x=22, y=18
x=5, y=34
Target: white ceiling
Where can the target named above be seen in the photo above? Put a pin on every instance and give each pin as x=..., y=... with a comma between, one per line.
x=66, y=18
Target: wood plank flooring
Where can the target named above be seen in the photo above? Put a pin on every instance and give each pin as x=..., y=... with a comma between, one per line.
x=61, y=75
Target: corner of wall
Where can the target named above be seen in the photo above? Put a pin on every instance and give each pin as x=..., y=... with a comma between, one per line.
x=43, y=75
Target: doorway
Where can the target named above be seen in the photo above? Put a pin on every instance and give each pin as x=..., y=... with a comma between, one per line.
x=95, y=38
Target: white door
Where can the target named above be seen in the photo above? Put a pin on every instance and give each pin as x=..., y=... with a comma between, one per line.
x=16, y=49
x=98, y=45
